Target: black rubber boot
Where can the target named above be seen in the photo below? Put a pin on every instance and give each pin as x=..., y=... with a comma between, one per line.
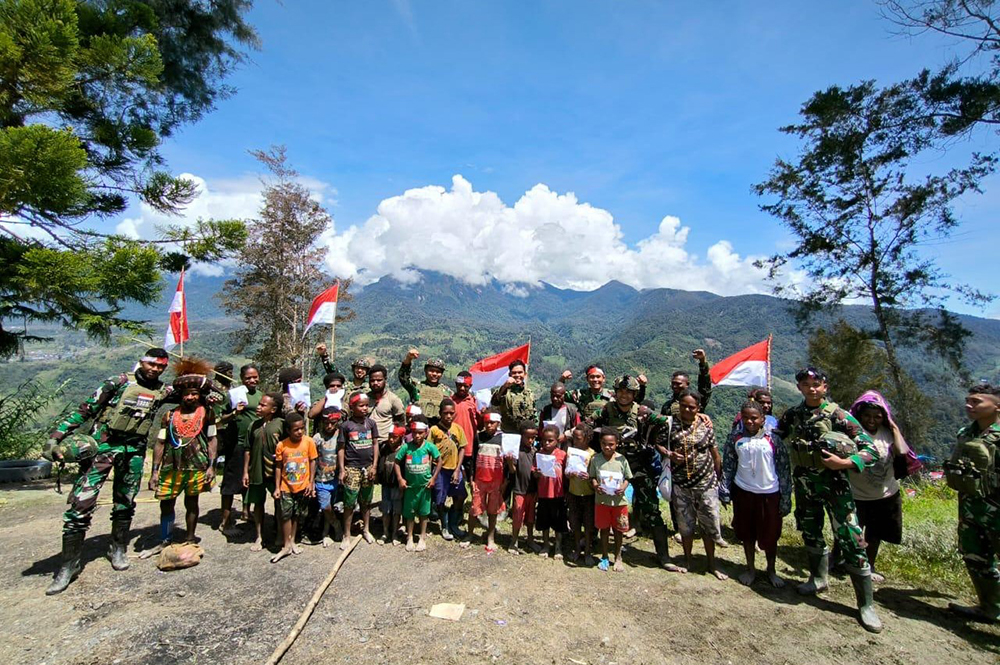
x=862, y=581
x=819, y=562
x=119, y=543
x=72, y=545
x=454, y=519
x=988, y=609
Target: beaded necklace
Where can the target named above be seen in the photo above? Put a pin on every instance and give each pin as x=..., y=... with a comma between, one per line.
x=184, y=430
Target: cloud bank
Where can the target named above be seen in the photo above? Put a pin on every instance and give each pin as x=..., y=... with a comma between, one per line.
x=543, y=237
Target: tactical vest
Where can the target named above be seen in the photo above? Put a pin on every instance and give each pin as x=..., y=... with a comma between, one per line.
x=133, y=412
x=806, y=440
x=430, y=398
x=972, y=468
x=590, y=405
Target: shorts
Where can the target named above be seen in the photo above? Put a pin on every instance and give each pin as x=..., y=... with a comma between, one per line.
x=416, y=502
x=487, y=498
x=326, y=493
x=697, y=509
x=524, y=511
x=757, y=518
x=551, y=514
x=882, y=519
x=257, y=494
x=611, y=517
x=358, y=488
x=294, y=505
x=392, y=500
x=580, y=510
x=174, y=482
x=443, y=487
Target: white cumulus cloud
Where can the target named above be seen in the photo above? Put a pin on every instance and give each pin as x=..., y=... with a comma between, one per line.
x=543, y=237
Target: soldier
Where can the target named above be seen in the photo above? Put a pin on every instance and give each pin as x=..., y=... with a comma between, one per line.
x=426, y=394
x=514, y=399
x=119, y=417
x=359, y=370
x=972, y=472
x=680, y=381
x=824, y=441
x=590, y=400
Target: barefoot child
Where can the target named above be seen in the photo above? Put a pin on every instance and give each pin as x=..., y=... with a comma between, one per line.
x=521, y=469
x=450, y=441
x=580, y=497
x=258, y=464
x=326, y=469
x=416, y=478
x=357, y=458
x=550, y=512
x=392, y=495
x=295, y=469
x=757, y=476
x=487, y=487
x=609, y=476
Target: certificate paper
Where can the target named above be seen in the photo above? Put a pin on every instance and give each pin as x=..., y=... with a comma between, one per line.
x=299, y=392
x=510, y=445
x=611, y=481
x=547, y=465
x=576, y=461
x=237, y=396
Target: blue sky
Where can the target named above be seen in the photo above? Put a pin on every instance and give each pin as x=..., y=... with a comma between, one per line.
x=643, y=110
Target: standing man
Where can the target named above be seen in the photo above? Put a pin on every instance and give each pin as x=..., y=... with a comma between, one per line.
x=426, y=394
x=972, y=472
x=119, y=417
x=591, y=400
x=824, y=441
x=514, y=400
x=681, y=381
x=359, y=370
x=387, y=409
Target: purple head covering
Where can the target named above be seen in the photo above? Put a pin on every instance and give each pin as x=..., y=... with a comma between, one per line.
x=871, y=397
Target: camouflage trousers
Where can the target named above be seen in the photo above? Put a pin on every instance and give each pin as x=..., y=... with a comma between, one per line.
x=126, y=462
x=979, y=536
x=645, y=498
x=824, y=491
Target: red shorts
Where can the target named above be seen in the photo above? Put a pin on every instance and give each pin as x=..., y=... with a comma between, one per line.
x=524, y=510
x=611, y=517
x=487, y=498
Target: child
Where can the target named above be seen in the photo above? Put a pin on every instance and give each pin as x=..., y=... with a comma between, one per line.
x=525, y=485
x=185, y=448
x=487, y=488
x=449, y=439
x=609, y=477
x=756, y=474
x=357, y=458
x=392, y=495
x=416, y=479
x=258, y=465
x=550, y=512
x=334, y=396
x=295, y=469
x=326, y=470
x=580, y=498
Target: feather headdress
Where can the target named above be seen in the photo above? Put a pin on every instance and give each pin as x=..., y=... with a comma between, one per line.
x=192, y=373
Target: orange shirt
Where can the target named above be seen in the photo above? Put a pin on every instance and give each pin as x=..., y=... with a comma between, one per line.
x=295, y=460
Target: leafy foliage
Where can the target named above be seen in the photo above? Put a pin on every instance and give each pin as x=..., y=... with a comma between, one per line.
x=21, y=432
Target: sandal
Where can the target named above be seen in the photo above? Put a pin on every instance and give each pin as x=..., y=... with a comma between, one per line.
x=604, y=565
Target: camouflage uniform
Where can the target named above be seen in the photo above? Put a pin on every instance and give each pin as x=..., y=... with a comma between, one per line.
x=979, y=519
x=515, y=404
x=352, y=385
x=589, y=403
x=671, y=408
x=645, y=497
x=421, y=393
x=121, y=432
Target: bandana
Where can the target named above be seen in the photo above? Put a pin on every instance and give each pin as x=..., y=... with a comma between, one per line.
x=399, y=431
x=355, y=398
x=493, y=417
x=413, y=410
x=334, y=415
x=463, y=380
x=162, y=362
x=594, y=369
x=418, y=427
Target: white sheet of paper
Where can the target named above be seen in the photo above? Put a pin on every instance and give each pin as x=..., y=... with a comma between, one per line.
x=611, y=481
x=483, y=398
x=510, y=444
x=547, y=465
x=237, y=396
x=335, y=398
x=299, y=392
x=576, y=461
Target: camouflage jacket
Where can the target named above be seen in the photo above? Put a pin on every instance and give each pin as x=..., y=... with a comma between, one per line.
x=803, y=425
x=515, y=404
x=104, y=398
x=421, y=393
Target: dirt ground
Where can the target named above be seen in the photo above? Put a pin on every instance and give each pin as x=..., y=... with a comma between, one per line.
x=236, y=607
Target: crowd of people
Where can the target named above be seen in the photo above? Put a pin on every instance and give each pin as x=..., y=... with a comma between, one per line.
x=567, y=476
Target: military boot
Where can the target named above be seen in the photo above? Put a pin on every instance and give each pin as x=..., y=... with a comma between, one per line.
x=119, y=543
x=72, y=544
x=988, y=609
x=862, y=581
x=819, y=562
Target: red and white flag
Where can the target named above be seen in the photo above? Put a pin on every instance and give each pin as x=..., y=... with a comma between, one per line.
x=177, y=327
x=324, y=308
x=749, y=367
x=492, y=372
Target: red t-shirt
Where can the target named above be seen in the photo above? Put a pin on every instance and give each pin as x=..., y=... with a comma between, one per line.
x=466, y=417
x=552, y=488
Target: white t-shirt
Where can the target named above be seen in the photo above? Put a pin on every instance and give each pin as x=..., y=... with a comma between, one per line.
x=755, y=472
x=877, y=481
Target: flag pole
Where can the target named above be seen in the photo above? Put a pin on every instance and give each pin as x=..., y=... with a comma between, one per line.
x=183, y=312
x=769, y=335
x=333, y=327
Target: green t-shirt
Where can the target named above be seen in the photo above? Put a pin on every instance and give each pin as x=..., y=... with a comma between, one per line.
x=614, y=469
x=418, y=462
x=264, y=439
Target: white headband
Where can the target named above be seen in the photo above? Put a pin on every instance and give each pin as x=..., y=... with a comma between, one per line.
x=418, y=426
x=151, y=359
x=493, y=417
